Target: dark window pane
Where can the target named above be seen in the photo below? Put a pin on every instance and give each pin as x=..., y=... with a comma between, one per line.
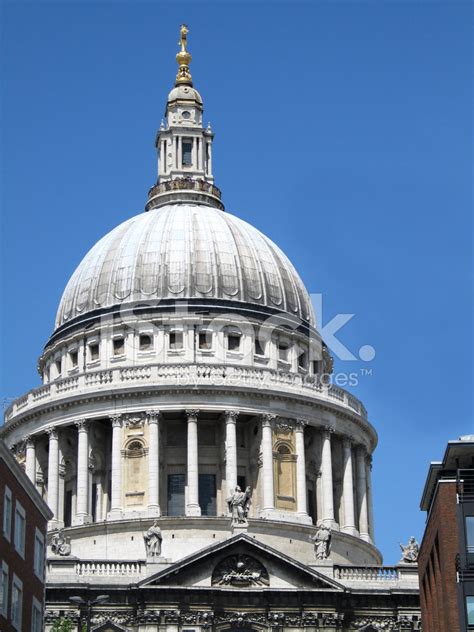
x=187, y=153
x=207, y=494
x=207, y=434
x=176, y=434
x=470, y=533
x=175, y=494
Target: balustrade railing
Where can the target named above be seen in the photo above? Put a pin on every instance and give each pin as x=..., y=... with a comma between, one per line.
x=107, y=567
x=367, y=573
x=187, y=375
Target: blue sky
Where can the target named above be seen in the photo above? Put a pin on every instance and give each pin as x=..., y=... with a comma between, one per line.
x=343, y=131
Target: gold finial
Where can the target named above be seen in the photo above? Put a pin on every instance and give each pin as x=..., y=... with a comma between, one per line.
x=184, y=59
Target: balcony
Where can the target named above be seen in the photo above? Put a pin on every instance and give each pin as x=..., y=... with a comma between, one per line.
x=465, y=485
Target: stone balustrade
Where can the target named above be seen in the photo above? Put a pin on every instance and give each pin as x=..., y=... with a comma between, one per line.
x=185, y=375
x=367, y=573
x=108, y=567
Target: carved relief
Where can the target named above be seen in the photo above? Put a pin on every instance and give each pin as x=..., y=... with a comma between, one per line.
x=240, y=571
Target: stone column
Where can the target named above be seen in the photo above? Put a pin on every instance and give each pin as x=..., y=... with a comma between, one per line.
x=30, y=465
x=116, y=487
x=82, y=499
x=53, y=473
x=209, y=159
x=362, y=494
x=267, y=463
x=326, y=478
x=231, y=449
x=153, y=417
x=180, y=152
x=301, y=494
x=370, y=507
x=348, y=488
x=194, y=154
x=192, y=505
x=199, y=154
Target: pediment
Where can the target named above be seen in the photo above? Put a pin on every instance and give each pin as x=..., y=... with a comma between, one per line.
x=241, y=562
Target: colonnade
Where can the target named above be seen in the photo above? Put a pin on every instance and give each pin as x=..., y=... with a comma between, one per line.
x=356, y=494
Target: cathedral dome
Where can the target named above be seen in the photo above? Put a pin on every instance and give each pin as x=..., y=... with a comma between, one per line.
x=185, y=251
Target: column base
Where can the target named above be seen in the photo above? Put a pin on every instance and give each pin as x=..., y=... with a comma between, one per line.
x=350, y=530
x=54, y=525
x=193, y=510
x=366, y=537
x=303, y=518
x=154, y=511
x=81, y=519
x=332, y=524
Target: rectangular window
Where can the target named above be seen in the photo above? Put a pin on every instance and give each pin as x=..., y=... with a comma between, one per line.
x=19, y=529
x=176, y=494
x=470, y=609
x=303, y=360
x=145, y=342
x=4, y=589
x=7, y=513
x=205, y=340
x=470, y=534
x=58, y=364
x=119, y=346
x=207, y=494
x=17, y=602
x=187, y=148
x=73, y=357
x=233, y=342
x=36, y=616
x=283, y=351
x=176, y=340
x=39, y=554
x=315, y=367
x=93, y=352
x=259, y=350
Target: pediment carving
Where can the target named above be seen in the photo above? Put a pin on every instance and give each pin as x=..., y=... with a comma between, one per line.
x=240, y=571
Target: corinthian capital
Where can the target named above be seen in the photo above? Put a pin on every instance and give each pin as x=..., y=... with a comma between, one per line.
x=192, y=414
x=231, y=416
x=301, y=425
x=153, y=416
x=52, y=433
x=81, y=425
x=116, y=421
x=268, y=419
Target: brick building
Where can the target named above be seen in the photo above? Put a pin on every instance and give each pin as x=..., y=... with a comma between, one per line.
x=23, y=522
x=446, y=560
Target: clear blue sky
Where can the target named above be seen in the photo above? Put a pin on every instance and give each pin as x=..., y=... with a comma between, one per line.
x=343, y=131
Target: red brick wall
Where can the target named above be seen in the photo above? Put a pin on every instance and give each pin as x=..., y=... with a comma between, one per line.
x=23, y=568
x=437, y=564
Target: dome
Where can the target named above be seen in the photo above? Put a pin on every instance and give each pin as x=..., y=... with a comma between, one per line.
x=184, y=93
x=185, y=251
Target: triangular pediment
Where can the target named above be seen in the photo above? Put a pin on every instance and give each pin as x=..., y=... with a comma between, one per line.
x=108, y=627
x=242, y=562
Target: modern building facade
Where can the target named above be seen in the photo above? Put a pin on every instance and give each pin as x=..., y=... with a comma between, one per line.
x=24, y=517
x=185, y=366
x=446, y=560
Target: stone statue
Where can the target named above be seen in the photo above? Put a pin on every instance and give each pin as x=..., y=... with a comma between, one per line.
x=322, y=541
x=60, y=544
x=239, y=504
x=153, y=539
x=410, y=551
